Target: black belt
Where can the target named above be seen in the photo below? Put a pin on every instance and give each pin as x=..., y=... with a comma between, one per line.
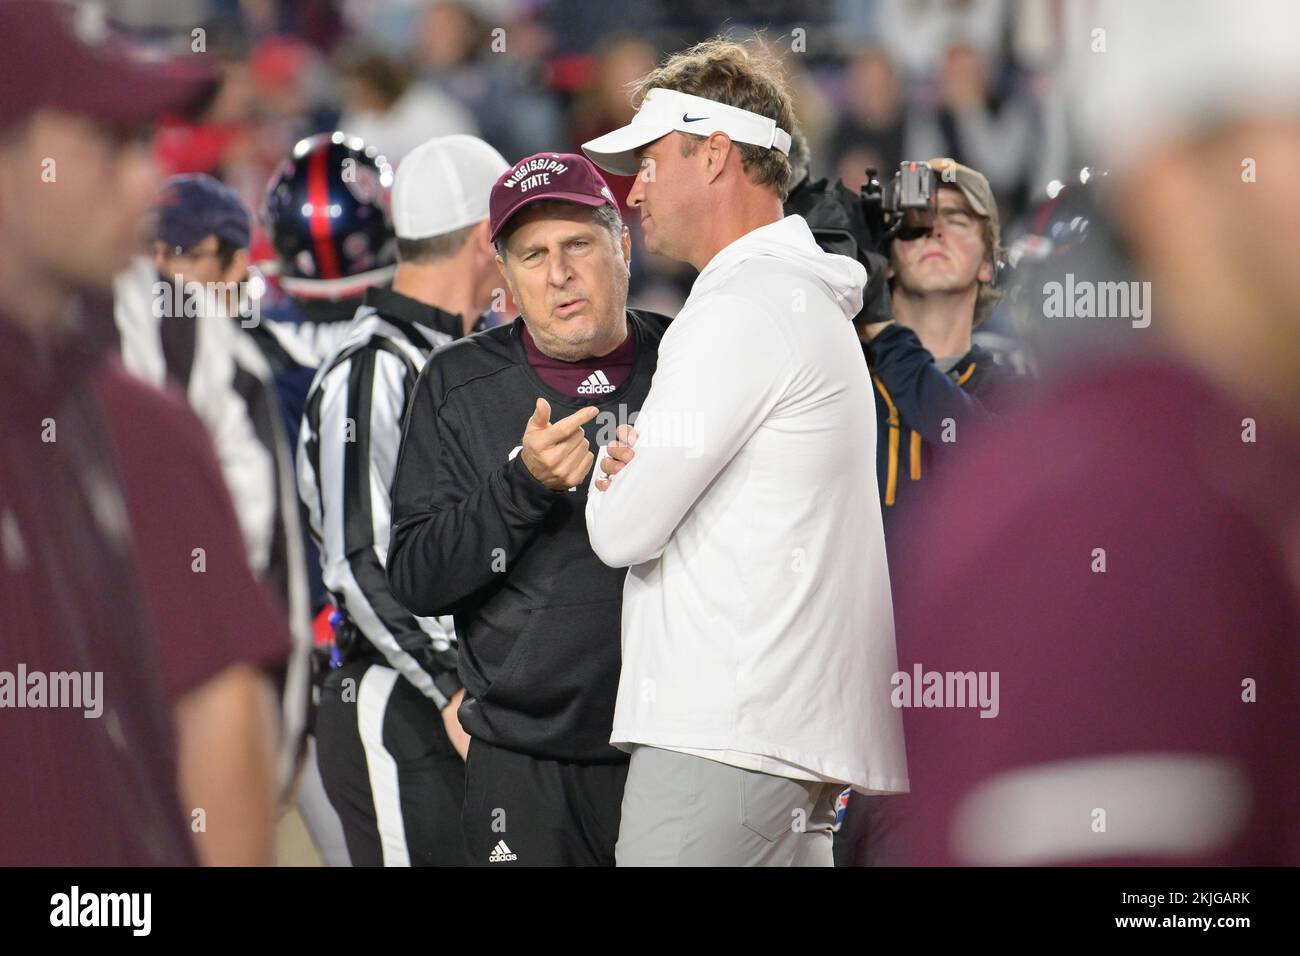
x=354, y=646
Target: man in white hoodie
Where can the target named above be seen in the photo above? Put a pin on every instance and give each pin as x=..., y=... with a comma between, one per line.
x=758, y=641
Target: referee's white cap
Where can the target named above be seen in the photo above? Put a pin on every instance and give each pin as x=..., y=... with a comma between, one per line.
x=443, y=185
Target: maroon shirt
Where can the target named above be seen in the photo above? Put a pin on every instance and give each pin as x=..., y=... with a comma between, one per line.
x=178, y=503
x=98, y=790
x=590, y=377
x=96, y=531
x=1123, y=690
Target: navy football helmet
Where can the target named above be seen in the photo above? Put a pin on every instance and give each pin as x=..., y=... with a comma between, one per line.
x=327, y=213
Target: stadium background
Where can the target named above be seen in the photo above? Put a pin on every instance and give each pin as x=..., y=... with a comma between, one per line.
x=875, y=81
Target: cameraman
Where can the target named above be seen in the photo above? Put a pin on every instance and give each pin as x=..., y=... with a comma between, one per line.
x=932, y=383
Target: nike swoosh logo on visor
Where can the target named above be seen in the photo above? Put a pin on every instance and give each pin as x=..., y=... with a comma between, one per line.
x=692, y=119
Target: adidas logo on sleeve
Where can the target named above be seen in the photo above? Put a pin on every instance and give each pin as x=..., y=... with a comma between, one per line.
x=595, y=384
x=501, y=853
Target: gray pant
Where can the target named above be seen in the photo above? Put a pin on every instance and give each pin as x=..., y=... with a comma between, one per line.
x=680, y=810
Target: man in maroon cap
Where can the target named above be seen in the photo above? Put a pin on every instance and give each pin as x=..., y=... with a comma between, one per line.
x=131, y=619
x=488, y=518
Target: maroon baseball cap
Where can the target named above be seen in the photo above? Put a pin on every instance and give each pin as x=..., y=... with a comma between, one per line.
x=56, y=55
x=564, y=176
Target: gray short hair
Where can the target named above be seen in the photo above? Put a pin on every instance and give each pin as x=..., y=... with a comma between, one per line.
x=608, y=215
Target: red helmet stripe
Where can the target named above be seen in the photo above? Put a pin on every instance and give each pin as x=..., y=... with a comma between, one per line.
x=318, y=195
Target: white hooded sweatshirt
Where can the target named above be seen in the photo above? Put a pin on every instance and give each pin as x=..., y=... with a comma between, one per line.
x=757, y=622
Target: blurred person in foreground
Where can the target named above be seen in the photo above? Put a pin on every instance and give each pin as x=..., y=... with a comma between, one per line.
x=1145, y=640
x=758, y=631
x=120, y=556
x=391, y=749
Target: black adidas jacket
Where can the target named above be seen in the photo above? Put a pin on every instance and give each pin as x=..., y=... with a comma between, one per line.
x=537, y=614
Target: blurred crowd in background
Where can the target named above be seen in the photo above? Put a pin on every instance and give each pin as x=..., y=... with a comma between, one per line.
x=876, y=82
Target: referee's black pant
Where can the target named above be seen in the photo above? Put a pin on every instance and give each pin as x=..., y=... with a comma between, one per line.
x=528, y=811
x=389, y=769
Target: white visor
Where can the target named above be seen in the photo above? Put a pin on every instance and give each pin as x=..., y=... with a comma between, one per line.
x=663, y=111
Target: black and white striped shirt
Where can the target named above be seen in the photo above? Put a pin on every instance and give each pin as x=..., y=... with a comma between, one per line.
x=347, y=456
x=228, y=383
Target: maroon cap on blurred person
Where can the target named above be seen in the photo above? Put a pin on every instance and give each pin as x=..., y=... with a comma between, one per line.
x=547, y=176
x=56, y=55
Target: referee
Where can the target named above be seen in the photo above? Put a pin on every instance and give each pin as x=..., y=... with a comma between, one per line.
x=390, y=748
